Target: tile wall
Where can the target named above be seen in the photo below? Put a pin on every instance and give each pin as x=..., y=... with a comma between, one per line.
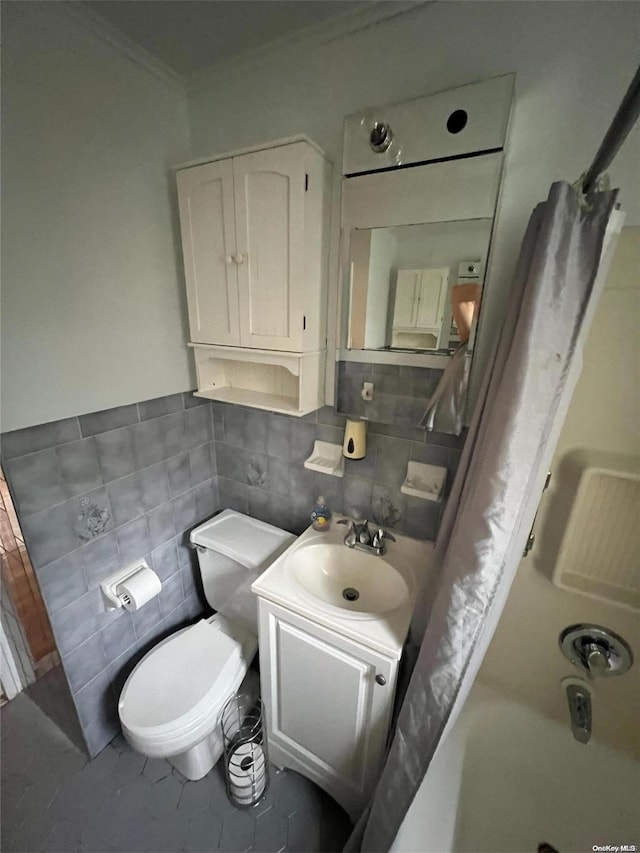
x=94, y=493
x=400, y=394
x=260, y=461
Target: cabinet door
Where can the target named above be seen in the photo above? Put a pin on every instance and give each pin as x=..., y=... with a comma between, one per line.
x=269, y=197
x=325, y=709
x=407, y=295
x=431, y=298
x=207, y=220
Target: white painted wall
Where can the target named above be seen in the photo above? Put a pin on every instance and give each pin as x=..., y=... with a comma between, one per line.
x=442, y=244
x=573, y=63
x=523, y=658
x=383, y=247
x=94, y=313
x=93, y=299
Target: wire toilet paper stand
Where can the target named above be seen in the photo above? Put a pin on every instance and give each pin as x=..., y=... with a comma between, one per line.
x=245, y=750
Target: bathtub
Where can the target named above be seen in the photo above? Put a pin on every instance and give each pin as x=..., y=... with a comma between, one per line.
x=507, y=779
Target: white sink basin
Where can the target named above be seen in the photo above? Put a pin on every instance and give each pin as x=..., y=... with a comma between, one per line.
x=362, y=584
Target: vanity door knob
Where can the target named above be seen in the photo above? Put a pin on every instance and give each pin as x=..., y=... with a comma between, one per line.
x=239, y=259
x=228, y=259
x=381, y=680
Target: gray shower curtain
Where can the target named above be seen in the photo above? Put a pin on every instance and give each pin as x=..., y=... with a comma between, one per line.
x=512, y=435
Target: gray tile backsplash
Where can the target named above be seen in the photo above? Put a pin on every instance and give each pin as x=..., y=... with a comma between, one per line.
x=133, y=540
x=401, y=394
x=94, y=699
x=110, y=419
x=199, y=426
x=148, y=443
x=91, y=515
x=118, y=636
x=160, y=524
x=63, y=581
x=101, y=558
x=150, y=409
x=115, y=453
x=179, y=474
x=165, y=559
x=49, y=533
x=38, y=479
x=276, y=487
x=80, y=466
x=74, y=624
x=29, y=440
x=96, y=492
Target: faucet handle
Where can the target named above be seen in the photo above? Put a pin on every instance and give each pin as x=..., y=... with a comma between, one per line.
x=380, y=536
x=364, y=534
x=597, y=659
x=351, y=537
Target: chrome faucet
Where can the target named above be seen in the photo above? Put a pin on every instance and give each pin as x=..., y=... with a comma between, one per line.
x=359, y=536
x=579, y=699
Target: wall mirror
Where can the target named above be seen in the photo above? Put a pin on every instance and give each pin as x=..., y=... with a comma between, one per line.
x=415, y=288
x=415, y=264
x=416, y=228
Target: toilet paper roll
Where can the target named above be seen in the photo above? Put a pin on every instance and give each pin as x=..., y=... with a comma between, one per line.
x=138, y=589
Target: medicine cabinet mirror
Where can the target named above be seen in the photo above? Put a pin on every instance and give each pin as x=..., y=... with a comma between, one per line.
x=407, y=285
x=415, y=262
x=415, y=265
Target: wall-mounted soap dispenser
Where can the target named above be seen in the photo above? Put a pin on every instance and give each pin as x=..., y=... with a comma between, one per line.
x=355, y=440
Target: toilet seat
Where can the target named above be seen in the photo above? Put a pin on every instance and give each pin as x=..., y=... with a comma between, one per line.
x=175, y=694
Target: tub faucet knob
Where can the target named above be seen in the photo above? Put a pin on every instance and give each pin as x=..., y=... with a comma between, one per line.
x=597, y=659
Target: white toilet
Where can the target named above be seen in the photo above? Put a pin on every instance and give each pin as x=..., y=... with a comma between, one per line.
x=171, y=703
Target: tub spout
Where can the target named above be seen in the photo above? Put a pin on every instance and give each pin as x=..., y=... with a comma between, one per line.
x=579, y=698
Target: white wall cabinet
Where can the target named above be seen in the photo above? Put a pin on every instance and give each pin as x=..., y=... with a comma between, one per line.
x=328, y=704
x=421, y=297
x=254, y=237
x=207, y=218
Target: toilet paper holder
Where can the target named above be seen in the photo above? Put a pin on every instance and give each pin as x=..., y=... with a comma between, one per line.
x=112, y=597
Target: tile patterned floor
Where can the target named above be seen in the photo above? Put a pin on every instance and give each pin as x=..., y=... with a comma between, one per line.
x=53, y=799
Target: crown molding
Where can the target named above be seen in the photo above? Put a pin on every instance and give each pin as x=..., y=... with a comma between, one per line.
x=100, y=28
x=303, y=40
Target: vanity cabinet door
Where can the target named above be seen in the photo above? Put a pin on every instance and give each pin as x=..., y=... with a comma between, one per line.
x=407, y=296
x=431, y=298
x=328, y=704
x=270, y=214
x=207, y=220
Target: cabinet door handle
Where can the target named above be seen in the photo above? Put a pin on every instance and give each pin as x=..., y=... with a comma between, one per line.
x=239, y=259
x=381, y=680
x=228, y=259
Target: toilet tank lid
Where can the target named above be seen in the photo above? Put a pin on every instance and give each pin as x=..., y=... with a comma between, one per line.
x=246, y=540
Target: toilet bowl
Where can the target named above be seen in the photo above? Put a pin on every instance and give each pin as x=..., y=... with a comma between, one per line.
x=170, y=705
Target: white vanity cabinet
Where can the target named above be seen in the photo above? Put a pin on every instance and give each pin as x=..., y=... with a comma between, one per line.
x=328, y=702
x=254, y=238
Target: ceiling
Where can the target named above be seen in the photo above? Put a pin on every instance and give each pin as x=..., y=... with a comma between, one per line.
x=190, y=35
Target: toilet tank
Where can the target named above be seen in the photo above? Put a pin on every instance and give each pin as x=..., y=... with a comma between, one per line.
x=233, y=550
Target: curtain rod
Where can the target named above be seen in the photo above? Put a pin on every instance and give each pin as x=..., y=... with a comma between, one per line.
x=623, y=121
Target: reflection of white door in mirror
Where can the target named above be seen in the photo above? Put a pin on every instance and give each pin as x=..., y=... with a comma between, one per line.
x=419, y=308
